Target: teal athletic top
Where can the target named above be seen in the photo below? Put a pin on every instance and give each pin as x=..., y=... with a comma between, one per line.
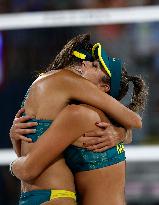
x=42, y=126
x=81, y=159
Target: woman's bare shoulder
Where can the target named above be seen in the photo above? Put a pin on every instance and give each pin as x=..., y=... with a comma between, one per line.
x=62, y=74
x=68, y=73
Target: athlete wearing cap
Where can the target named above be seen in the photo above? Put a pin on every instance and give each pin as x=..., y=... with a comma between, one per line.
x=77, y=120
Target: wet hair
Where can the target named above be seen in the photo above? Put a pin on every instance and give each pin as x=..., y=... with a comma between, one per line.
x=65, y=58
x=140, y=90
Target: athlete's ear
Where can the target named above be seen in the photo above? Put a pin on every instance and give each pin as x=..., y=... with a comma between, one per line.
x=107, y=88
x=104, y=87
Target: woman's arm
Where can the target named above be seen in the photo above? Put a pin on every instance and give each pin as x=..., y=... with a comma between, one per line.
x=17, y=130
x=112, y=136
x=81, y=89
x=70, y=124
x=99, y=140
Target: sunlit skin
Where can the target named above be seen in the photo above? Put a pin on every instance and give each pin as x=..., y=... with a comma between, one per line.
x=50, y=171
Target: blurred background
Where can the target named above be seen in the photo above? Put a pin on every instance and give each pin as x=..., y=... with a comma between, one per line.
x=26, y=52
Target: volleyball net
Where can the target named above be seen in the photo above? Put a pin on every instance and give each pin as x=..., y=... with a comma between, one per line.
x=84, y=17
x=133, y=154
x=81, y=17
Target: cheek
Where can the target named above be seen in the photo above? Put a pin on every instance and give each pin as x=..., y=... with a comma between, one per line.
x=102, y=88
x=97, y=77
x=92, y=76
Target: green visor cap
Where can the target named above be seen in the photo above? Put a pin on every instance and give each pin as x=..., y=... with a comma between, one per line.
x=112, y=66
x=83, y=54
x=116, y=70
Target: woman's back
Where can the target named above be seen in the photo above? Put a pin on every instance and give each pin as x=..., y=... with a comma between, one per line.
x=46, y=98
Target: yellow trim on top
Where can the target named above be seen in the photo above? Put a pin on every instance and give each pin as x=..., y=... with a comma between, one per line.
x=100, y=57
x=79, y=55
x=62, y=194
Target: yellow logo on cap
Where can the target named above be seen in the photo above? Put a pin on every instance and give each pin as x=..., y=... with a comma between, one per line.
x=79, y=55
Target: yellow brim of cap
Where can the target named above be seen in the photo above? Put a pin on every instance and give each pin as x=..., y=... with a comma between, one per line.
x=99, y=47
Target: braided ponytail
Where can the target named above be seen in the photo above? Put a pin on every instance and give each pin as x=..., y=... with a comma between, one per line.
x=140, y=92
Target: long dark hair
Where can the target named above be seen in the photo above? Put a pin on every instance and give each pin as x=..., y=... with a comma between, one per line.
x=65, y=57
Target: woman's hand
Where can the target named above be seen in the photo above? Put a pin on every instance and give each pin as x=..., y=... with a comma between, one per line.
x=20, y=127
x=101, y=140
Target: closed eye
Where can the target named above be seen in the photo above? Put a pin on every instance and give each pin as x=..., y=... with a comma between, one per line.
x=104, y=79
x=96, y=64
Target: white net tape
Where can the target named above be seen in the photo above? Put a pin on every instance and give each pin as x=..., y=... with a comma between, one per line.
x=79, y=17
x=133, y=154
